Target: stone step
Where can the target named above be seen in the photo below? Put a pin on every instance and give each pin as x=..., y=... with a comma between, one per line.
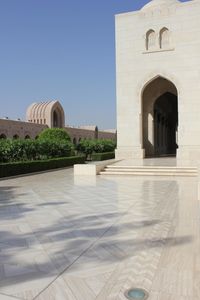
x=151, y=167
x=149, y=170
x=144, y=173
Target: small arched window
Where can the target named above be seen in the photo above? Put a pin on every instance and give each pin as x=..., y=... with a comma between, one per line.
x=15, y=137
x=2, y=137
x=27, y=137
x=164, y=38
x=150, y=39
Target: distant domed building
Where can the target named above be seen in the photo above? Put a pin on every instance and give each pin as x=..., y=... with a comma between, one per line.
x=49, y=114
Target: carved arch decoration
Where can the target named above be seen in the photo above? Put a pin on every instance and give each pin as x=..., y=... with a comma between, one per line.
x=164, y=38
x=150, y=39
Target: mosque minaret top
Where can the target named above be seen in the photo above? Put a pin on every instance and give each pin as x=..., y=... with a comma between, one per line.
x=160, y=3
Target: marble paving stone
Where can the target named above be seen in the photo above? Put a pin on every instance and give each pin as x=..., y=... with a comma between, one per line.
x=62, y=239
x=5, y=297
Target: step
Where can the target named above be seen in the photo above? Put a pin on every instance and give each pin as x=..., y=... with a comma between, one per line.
x=188, y=174
x=151, y=167
x=150, y=170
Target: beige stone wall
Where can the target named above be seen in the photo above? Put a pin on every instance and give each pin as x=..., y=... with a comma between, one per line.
x=10, y=128
x=77, y=134
x=107, y=135
x=137, y=65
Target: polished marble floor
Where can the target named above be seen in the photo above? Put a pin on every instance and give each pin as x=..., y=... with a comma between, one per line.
x=89, y=238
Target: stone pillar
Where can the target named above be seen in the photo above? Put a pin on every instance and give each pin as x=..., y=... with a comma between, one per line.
x=156, y=141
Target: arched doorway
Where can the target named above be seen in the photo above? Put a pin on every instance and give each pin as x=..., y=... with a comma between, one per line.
x=57, y=118
x=74, y=141
x=160, y=118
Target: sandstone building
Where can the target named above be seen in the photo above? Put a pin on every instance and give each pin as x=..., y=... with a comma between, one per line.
x=49, y=115
x=158, y=80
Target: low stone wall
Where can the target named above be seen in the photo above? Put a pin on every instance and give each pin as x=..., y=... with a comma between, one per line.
x=78, y=134
x=20, y=129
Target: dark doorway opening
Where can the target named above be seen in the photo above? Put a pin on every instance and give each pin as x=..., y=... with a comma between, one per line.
x=165, y=125
x=160, y=118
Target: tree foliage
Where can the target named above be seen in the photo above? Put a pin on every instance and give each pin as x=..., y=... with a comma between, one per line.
x=95, y=146
x=58, y=134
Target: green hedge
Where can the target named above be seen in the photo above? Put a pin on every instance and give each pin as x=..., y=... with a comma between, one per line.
x=27, y=150
x=102, y=156
x=17, y=168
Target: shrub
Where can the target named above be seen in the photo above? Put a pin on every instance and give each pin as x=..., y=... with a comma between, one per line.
x=17, y=168
x=58, y=134
x=24, y=150
x=86, y=147
x=89, y=147
x=103, y=156
x=102, y=146
x=13, y=150
x=54, y=148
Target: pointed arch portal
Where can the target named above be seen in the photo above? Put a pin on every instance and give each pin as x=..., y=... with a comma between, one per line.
x=160, y=118
x=57, y=118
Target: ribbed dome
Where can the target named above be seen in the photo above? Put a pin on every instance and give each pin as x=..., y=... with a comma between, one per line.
x=38, y=110
x=160, y=3
x=49, y=113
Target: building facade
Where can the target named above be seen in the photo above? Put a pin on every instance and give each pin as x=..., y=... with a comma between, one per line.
x=49, y=115
x=158, y=80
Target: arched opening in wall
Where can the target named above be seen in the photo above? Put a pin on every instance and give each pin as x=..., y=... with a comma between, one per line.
x=164, y=38
x=96, y=133
x=2, y=137
x=27, y=137
x=160, y=118
x=165, y=124
x=15, y=137
x=57, y=118
x=150, y=39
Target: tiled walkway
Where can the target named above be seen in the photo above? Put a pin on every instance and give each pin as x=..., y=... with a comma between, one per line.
x=92, y=238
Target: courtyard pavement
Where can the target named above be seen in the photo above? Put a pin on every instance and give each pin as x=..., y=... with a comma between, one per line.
x=89, y=238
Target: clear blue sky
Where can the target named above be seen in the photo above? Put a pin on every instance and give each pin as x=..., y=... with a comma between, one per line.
x=60, y=49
